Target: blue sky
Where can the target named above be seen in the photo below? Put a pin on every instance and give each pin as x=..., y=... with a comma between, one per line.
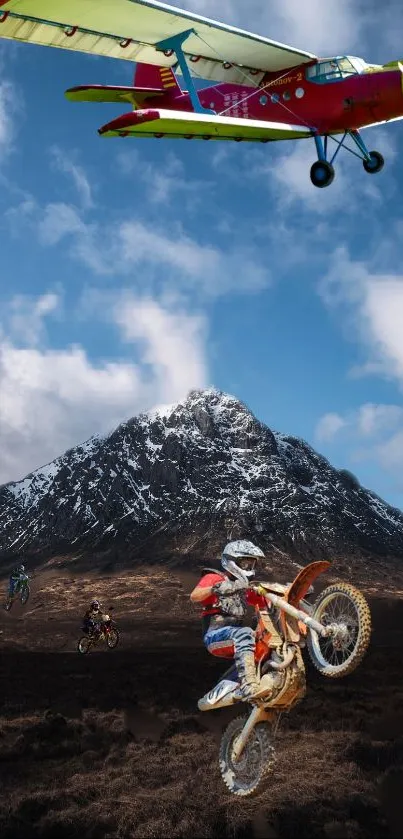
x=132, y=271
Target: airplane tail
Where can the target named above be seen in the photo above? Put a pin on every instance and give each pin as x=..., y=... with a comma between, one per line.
x=148, y=75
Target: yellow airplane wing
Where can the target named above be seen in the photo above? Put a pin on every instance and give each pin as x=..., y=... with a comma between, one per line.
x=112, y=93
x=130, y=29
x=182, y=124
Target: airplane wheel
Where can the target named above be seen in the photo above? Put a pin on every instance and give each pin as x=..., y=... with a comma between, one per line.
x=322, y=173
x=375, y=164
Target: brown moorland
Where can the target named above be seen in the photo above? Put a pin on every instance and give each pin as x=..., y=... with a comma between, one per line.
x=111, y=745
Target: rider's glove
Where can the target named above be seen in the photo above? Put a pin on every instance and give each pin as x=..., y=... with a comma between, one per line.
x=227, y=587
x=259, y=589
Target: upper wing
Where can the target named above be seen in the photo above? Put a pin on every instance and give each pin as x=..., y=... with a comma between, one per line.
x=129, y=29
x=181, y=124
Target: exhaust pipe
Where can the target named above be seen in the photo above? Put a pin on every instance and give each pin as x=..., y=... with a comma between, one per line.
x=282, y=665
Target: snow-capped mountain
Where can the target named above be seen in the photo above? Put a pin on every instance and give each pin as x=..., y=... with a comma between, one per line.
x=183, y=479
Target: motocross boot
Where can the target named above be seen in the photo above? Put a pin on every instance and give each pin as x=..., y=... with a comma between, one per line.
x=249, y=687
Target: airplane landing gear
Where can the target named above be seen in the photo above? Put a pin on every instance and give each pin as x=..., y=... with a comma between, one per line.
x=374, y=164
x=322, y=173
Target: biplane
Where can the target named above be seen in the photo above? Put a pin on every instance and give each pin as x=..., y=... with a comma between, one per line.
x=263, y=91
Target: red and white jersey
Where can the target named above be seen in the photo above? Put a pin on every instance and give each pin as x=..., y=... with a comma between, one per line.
x=211, y=604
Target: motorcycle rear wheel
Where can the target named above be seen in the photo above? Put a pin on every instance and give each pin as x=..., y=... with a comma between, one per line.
x=247, y=775
x=346, y=609
x=25, y=592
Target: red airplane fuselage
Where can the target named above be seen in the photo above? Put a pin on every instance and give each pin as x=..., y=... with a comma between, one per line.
x=328, y=106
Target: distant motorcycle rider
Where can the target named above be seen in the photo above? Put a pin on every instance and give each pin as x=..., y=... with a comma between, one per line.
x=224, y=598
x=17, y=577
x=93, y=617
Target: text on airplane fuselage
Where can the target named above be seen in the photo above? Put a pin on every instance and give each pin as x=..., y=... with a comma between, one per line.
x=284, y=80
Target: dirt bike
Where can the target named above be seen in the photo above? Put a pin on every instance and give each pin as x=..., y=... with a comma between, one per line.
x=22, y=588
x=106, y=632
x=336, y=630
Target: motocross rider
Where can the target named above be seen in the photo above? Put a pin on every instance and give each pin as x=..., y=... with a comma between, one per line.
x=93, y=617
x=224, y=598
x=17, y=577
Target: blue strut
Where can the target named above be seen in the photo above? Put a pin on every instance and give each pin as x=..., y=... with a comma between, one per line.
x=174, y=43
x=321, y=147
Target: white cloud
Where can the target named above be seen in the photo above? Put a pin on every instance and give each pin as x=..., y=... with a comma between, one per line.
x=343, y=283
x=371, y=307
x=289, y=175
x=286, y=170
x=328, y=426
x=166, y=336
x=25, y=209
x=370, y=310
x=390, y=455
x=313, y=25
x=23, y=316
x=384, y=31
x=373, y=419
x=208, y=8
x=157, y=260
x=10, y=55
x=164, y=180
x=370, y=420
x=373, y=433
x=65, y=163
x=382, y=311
x=10, y=106
x=321, y=28
x=59, y=220
x=53, y=399
x=213, y=271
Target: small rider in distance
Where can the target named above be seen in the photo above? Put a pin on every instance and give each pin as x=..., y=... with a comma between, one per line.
x=93, y=618
x=17, y=577
x=224, y=598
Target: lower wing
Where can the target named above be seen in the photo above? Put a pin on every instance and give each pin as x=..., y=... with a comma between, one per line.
x=112, y=93
x=188, y=125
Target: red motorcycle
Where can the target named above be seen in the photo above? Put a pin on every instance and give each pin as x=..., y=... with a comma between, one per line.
x=105, y=631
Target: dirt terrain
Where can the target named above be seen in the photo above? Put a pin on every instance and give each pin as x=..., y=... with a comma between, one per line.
x=112, y=745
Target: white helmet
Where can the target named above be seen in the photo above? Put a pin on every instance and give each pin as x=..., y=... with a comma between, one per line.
x=234, y=553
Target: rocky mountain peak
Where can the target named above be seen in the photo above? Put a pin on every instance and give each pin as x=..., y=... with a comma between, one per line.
x=177, y=481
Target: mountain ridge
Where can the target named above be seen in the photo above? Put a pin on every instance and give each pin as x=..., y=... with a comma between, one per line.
x=183, y=478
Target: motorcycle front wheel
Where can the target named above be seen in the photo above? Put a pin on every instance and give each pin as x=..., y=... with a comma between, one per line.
x=112, y=638
x=247, y=775
x=84, y=645
x=345, y=611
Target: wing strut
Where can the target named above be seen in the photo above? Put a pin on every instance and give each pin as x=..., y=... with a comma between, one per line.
x=174, y=44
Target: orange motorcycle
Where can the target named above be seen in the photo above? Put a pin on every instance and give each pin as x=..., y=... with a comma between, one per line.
x=336, y=630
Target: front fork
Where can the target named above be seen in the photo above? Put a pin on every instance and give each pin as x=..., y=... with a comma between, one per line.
x=257, y=715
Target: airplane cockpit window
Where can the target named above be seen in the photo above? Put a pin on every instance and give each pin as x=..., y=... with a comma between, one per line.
x=358, y=63
x=331, y=70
